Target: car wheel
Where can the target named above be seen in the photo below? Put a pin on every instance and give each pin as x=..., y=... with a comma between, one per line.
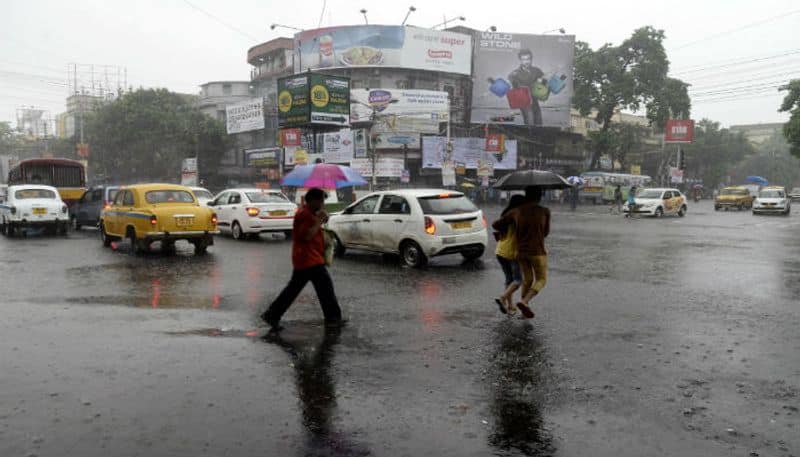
x=200, y=247
x=236, y=231
x=288, y=234
x=412, y=254
x=682, y=211
x=716, y=208
x=659, y=212
x=338, y=247
x=63, y=228
x=168, y=247
x=473, y=255
x=104, y=236
x=136, y=247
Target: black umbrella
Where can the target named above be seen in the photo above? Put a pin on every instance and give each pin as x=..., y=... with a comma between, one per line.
x=519, y=180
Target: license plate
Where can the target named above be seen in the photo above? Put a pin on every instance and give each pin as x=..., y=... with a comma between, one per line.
x=449, y=240
x=39, y=210
x=461, y=225
x=278, y=213
x=184, y=221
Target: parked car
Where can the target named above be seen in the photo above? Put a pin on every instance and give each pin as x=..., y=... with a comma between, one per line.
x=659, y=202
x=33, y=206
x=202, y=195
x=87, y=209
x=772, y=199
x=795, y=194
x=734, y=197
x=417, y=224
x=249, y=212
x=145, y=213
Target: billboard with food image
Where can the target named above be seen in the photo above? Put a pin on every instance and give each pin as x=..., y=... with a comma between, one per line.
x=383, y=46
x=522, y=79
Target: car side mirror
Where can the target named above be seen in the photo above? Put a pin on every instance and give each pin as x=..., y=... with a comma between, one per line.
x=211, y=203
x=348, y=210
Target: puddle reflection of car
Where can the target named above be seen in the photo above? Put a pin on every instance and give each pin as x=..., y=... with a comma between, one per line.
x=145, y=213
x=772, y=200
x=249, y=212
x=734, y=197
x=31, y=206
x=417, y=224
x=658, y=202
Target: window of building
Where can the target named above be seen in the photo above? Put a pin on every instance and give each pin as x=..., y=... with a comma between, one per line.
x=402, y=84
x=227, y=89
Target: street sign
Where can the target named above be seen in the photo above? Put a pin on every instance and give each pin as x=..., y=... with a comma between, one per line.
x=679, y=131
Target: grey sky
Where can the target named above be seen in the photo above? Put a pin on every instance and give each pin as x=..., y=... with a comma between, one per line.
x=169, y=43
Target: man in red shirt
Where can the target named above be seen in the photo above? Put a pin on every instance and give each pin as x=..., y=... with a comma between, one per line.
x=308, y=261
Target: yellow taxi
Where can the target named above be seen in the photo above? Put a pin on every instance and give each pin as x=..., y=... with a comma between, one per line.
x=145, y=213
x=734, y=197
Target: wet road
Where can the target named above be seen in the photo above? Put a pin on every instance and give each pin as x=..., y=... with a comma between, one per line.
x=652, y=337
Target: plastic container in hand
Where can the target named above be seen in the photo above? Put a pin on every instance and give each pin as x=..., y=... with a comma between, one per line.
x=499, y=86
x=557, y=83
x=519, y=98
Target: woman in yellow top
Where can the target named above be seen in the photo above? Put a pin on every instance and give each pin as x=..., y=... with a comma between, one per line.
x=507, y=257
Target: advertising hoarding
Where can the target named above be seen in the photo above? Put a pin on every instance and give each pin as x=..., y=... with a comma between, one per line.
x=385, y=167
x=262, y=157
x=469, y=151
x=679, y=131
x=400, y=109
x=338, y=146
x=189, y=172
x=523, y=79
x=313, y=99
x=383, y=46
x=245, y=116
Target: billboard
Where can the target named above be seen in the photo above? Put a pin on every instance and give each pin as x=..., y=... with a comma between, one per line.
x=383, y=46
x=337, y=147
x=189, y=171
x=313, y=99
x=523, y=79
x=679, y=131
x=385, y=167
x=469, y=151
x=262, y=157
x=245, y=116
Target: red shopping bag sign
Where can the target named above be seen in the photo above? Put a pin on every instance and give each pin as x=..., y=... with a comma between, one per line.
x=519, y=98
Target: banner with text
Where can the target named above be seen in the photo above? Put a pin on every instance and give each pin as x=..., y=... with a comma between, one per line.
x=469, y=151
x=245, y=116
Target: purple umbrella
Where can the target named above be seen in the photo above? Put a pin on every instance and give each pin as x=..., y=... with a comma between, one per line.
x=323, y=176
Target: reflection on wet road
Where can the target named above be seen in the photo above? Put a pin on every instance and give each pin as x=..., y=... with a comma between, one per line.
x=652, y=337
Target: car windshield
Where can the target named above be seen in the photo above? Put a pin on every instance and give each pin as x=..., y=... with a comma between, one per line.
x=112, y=194
x=649, y=194
x=771, y=194
x=168, y=196
x=266, y=197
x=446, y=204
x=34, y=193
x=203, y=194
x=734, y=192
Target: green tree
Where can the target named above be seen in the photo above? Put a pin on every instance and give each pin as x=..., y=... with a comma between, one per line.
x=791, y=104
x=714, y=153
x=630, y=76
x=145, y=134
x=773, y=161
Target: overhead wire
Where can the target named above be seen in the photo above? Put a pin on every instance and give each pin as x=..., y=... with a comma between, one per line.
x=738, y=29
x=221, y=21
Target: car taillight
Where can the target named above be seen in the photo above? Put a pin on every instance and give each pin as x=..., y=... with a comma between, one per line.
x=153, y=220
x=485, y=224
x=252, y=212
x=213, y=218
x=106, y=205
x=430, y=227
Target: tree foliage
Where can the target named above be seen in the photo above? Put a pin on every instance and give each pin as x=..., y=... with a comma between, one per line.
x=715, y=152
x=621, y=141
x=145, y=134
x=791, y=104
x=630, y=76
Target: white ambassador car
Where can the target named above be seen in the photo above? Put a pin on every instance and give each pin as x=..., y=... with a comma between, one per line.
x=249, y=212
x=772, y=200
x=202, y=195
x=33, y=206
x=658, y=202
x=417, y=224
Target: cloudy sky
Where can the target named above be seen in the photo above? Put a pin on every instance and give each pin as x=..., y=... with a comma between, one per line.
x=734, y=53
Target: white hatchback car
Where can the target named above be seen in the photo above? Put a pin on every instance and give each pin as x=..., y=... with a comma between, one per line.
x=415, y=223
x=772, y=199
x=659, y=202
x=247, y=212
x=32, y=206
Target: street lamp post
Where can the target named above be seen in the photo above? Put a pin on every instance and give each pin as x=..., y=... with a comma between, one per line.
x=446, y=21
